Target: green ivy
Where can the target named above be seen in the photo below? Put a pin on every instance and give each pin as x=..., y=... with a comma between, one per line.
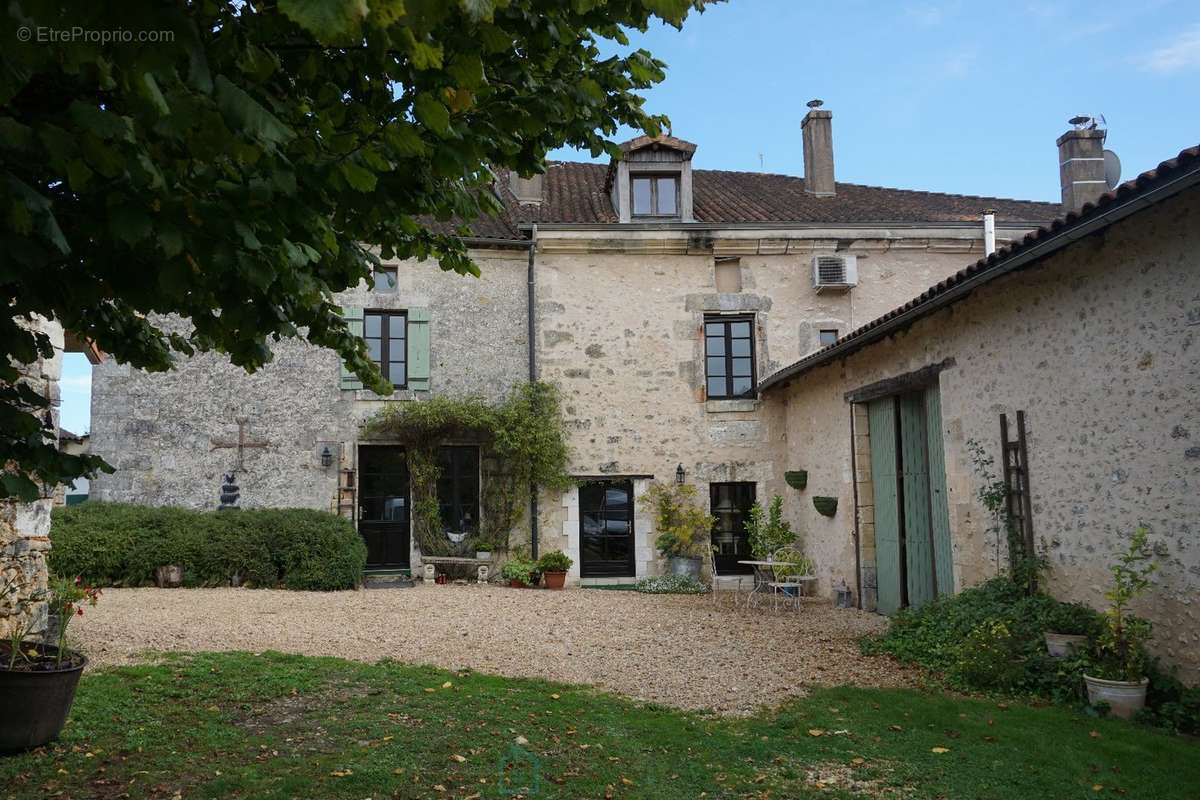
x=523, y=444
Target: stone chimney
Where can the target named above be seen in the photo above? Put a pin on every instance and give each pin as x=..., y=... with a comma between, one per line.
x=528, y=191
x=1081, y=167
x=817, y=130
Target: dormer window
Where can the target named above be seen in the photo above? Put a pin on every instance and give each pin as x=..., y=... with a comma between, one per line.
x=652, y=181
x=655, y=196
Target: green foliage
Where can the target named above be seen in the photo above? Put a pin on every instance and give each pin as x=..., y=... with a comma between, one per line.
x=768, y=531
x=250, y=160
x=524, y=444
x=68, y=596
x=519, y=568
x=670, y=584
x=118, y=544
x=684, y=528
x=991, y=637
x=1120, y=651
x=554, y=561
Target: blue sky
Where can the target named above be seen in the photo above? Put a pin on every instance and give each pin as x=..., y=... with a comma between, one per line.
x=963, y=97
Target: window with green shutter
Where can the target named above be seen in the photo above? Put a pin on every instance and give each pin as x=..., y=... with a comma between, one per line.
x=398, y=342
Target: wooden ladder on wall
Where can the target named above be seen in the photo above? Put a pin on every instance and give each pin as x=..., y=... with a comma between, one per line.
x=1015, y=455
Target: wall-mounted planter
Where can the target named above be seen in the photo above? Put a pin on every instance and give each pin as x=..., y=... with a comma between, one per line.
x=797, y=479
x=826, y=506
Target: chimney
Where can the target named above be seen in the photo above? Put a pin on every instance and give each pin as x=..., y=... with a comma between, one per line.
x=528, y=191
x=1081, y=164
x=817, y=130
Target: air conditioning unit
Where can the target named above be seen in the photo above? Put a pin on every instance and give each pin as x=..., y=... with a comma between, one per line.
x=835, y=273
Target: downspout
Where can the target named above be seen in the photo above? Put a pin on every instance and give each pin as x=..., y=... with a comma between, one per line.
x=530, y=335
x=858, y=601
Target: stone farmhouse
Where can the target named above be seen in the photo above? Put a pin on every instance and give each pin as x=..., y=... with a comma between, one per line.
x=666, y=303
x=654, y=295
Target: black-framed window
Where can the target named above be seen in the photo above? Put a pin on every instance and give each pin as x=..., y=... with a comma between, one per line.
x=729, y=356
x=458, y=489
x=387, y=280
x=827, y=336
x=654, y=195
x=386, y=333
x=730, y=504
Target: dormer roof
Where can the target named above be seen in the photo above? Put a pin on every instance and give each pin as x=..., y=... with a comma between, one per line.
x=663, y=141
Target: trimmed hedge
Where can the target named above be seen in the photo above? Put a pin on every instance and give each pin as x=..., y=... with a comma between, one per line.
x=120, y=544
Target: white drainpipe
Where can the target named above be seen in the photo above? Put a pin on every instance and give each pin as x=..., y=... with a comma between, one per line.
x=989, y=233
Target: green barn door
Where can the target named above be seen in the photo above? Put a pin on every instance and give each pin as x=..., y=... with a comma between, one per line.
x=889, y=574
x=939, y=507
x=918, y=532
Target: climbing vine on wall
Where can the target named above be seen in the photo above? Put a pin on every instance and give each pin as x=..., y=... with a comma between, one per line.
x=522, y=443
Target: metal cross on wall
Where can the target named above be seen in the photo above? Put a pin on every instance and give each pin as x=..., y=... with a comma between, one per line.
x=241, y=444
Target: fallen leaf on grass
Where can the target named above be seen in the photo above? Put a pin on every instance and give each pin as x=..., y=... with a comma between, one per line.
x=447, y=685
x=458, y=758
x=895, y=728
x=430, y=689
x=815, y=732
x=555, y=696
x=939, y=750
x=341, y=773
x=858, y=762
x=1097, y=787
x=1094, y=734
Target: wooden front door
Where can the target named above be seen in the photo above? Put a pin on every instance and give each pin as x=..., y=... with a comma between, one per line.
x=913, y=555
x=606, y=529
x=383, y=506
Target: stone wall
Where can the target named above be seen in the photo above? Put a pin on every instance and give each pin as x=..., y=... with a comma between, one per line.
x=1098, y=345
x=159, y=429
x=620, y=330
x=25, y=527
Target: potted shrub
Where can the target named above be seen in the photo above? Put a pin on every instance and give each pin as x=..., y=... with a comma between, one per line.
x=38, y=680
x=1117, y=674
x=518, y=571
x=1068, y=629
x=483, y=551
x=553, y=566
x=684, y=528
x=768, y=530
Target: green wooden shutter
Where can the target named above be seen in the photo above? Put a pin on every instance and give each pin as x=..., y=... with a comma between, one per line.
x=354, y=321
x=418, y=349
x=918, y=531
x=882, y=427
x=939, y=507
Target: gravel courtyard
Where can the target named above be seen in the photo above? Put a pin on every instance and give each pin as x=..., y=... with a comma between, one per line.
x=675, y=650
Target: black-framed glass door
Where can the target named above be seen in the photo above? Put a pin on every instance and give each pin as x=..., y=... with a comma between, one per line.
x=606, y=529
x=383, y=506
x=730, y=503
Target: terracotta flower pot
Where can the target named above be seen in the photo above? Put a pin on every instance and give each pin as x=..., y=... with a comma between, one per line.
x=36, y=703
x=513, y=583
x=555, y=580
x=1124, y=698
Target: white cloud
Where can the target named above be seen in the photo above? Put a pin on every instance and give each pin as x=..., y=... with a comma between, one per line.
x=1177, y=55
x=76, y=383
x=929, y=14
x=958, y=63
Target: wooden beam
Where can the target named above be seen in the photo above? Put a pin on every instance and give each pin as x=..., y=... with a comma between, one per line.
x=908, y=382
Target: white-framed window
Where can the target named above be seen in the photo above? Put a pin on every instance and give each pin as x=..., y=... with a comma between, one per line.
x=654, y=195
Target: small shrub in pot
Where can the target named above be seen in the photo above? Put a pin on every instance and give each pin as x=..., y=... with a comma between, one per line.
x=37, y=681
x=684, y=528
x=518, y=571
x=553, y=566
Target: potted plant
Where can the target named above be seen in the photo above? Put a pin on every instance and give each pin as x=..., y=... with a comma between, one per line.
x=518, y=571
x=684, y=528
x=1117, y=674
x=1068, y=628
x=768, y=530
x=553, y=566
x=483, y=551
x=38, y=680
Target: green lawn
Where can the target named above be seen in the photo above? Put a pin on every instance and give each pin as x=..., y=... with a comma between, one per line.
x=276, y=726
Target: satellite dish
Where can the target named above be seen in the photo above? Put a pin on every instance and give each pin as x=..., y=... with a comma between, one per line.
x=1112, y=169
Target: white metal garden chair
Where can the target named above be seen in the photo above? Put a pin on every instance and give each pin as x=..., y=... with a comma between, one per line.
x=791, y=574
x=715, y=578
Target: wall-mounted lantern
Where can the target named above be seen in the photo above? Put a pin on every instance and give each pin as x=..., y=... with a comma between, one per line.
x=680, y=474
x=326, y=457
